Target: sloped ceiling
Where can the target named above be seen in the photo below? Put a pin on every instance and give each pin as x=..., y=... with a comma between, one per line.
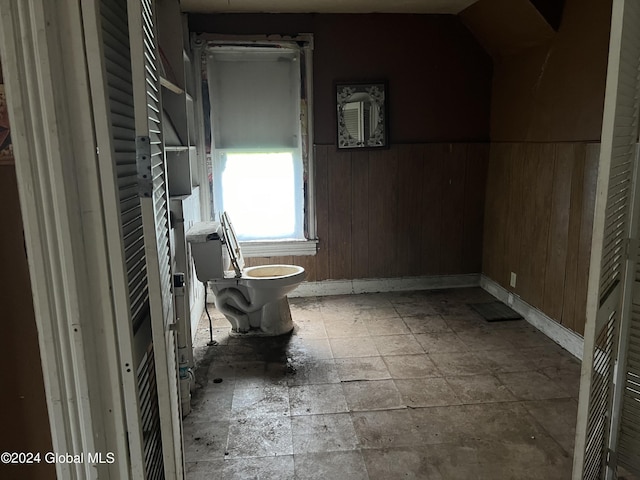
x=505, y=27
x=325, y=6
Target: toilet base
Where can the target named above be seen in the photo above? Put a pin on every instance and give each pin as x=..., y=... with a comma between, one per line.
x=273, y=319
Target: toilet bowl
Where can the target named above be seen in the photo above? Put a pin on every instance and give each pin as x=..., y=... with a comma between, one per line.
x=253, y=299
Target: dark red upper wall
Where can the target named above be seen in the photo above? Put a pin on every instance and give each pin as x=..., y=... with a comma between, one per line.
x=554, y=92
x=438, y=75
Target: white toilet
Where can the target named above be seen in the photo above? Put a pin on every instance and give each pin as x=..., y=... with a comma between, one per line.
x=253, y=299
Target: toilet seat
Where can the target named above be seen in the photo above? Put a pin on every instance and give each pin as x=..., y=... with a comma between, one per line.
x=233, y=246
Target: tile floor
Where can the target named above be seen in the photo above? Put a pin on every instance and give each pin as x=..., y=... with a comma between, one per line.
x=383, y=386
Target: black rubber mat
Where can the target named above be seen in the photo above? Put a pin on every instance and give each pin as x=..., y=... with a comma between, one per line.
x=495, y=311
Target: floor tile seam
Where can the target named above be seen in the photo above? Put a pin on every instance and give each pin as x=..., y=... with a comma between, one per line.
x=227, y=454
x=345, y=317
x=545, y=432
x=235, y=459
x=379, y=355
x=359, y=451
x=331, y=450
x=439, y=373
x=346, y=362
x=472, y=404
x=390, y=334
x=309, y=414
x=541, y=370
x=342, y=384
x=366, y=466
x=536, y=370
x=498, y=370
x=304, y=309
x=238, y=389
x=345, y=413
x=259, y=385
x=344, y=395
x=253, y=457
x=425, y=377
x=434, y=363
x=242, y=419
x=390, y=313
x=402, y=408
x=450, y=388
x=501, y=383
x=337, y=337
x=559, y=366
x=494, y=403
x=334, y=355
x=368, y=321
x=467, y=352
x=316, y=321
x=362, y=356
x=239, y=415
x=315, y=384
x=300, y=311
x=474, y=442
x=352, y=380
x=412, y=315
x=541, y=426
x=472, y=347
x=395, y=307
x=409, y=334
x=196, y=423
x=351, y=309
x=364, y=331
x=368, y=380
x=564, y=396
x=381, y=409
x=469, y=374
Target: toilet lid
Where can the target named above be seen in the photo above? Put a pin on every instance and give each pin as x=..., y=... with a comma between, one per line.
x=233, y=247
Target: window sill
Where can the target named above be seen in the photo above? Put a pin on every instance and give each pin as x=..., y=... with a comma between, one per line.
x=279, y=248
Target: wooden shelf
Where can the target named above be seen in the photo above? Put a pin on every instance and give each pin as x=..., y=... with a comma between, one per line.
x=171, y=86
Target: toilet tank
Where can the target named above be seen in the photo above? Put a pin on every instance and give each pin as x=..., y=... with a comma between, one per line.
x=208, y=252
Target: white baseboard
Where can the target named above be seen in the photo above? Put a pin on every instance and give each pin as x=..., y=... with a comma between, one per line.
x=373, y=285
x=567, y=339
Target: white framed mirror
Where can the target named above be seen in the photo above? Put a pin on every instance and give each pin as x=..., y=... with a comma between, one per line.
x=362, y=115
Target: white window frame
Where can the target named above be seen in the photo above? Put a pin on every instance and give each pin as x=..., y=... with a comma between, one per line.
x=307, y=246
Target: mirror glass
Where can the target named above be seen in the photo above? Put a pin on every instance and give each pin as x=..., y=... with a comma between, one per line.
x=361, y=115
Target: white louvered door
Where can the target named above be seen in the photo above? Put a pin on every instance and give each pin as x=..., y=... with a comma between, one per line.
x=610, y=275
x=627, y=408
x=108, y=43
x=152, y=183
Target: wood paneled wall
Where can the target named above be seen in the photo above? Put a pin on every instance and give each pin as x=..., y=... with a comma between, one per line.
x=413, y=209
x=538, y=220
x=23, y=408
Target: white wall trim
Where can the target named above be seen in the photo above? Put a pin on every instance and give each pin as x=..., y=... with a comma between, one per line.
x=567, y=339
x=372, y=285
x=279, y=248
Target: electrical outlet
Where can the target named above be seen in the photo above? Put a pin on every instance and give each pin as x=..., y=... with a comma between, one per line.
x=512, y=281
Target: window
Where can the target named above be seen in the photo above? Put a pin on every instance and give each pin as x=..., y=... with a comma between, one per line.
x=262, y=191
x=260, y=149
